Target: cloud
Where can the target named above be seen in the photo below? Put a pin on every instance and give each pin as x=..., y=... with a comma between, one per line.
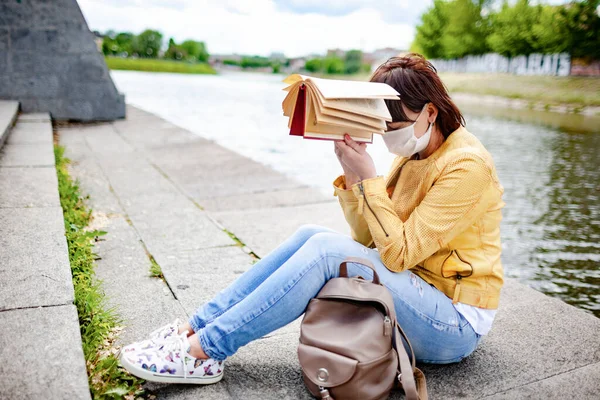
x=392, y=11
x=257, y=27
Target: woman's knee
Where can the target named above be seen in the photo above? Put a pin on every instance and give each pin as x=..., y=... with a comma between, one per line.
x=309, y=230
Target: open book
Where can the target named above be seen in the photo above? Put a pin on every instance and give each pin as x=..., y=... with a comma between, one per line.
x=327, y=108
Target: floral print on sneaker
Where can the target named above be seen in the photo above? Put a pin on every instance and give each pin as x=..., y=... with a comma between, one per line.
x=155, y=338
x=172, y=363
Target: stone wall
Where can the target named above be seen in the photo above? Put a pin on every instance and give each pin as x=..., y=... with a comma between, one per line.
x=49, y=62
x=534, y=64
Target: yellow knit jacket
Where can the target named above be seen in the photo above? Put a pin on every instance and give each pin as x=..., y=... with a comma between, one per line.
x=442, y=220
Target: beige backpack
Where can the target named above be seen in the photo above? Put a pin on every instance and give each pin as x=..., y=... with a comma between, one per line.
x=350, y=346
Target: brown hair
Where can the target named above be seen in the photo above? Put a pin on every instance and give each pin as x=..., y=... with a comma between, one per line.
x=417, y=81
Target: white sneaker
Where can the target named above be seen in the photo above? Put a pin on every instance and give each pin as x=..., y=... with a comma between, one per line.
x=155, y=338
x=172, y=363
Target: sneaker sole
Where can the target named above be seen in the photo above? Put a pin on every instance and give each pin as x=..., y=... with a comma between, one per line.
x=152, y=377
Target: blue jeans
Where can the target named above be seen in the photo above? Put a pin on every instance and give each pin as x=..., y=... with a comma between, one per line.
x=276, y=290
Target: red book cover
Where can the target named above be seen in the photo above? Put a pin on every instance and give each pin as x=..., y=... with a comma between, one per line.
x=298, y=123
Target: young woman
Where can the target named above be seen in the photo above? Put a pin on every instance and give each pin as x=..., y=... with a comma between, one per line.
x=431, y=228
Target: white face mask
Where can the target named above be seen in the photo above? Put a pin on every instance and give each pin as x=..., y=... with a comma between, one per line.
x=403, y=141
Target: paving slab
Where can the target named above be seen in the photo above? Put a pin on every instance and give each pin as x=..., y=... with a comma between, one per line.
x=142, y=301
x=34, y=258
x=155, y=133
x=207, y=170
x=196, y=276
x=172, y=230
x=27, y=155
x=31, y=133
x=28, y=187
x=580, y=383
x=264, y=229
x=35, y=117
x=265, y=199
x=41, y=355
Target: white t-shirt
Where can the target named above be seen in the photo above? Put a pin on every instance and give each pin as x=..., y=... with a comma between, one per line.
x=480, y=318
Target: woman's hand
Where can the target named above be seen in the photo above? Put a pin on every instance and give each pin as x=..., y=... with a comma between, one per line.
x=354, y=159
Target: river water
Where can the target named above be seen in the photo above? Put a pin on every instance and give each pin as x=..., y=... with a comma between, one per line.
x=549, y=165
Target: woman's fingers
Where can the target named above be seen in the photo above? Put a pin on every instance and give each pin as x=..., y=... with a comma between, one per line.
x=352, y=143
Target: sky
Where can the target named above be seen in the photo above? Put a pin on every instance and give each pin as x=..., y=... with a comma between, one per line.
x=260, y=27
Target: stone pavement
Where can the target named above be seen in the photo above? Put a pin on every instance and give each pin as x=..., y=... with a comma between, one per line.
x=164, y=192
x=40, y=344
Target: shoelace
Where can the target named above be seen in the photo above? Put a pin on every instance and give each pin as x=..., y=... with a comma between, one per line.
x=178, y=344
x=162, y=331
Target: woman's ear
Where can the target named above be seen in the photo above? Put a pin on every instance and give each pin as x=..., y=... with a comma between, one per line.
x=432, y=112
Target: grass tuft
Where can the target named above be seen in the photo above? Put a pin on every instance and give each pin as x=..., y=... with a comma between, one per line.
x=98, y=324
x=155, y=269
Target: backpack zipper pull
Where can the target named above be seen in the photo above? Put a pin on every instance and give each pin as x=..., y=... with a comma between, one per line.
x=325, y=394
x=387, y=326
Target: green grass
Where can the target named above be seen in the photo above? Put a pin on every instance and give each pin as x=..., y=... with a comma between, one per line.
x=548, y=90
x=98, y=324
x=155, y=269
x=154, y=65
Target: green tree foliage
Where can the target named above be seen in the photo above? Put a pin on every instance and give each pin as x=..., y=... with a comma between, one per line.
x=175, y=52
x=583, y=24
x=512, y=32
x=118, y=44
x=148, y=44
x=333, y=65
x=455, y=28
x=431, y=29
x=314, y=65
x=465, y=30
x=255, y=62
x=196, y=50
x=353, y=61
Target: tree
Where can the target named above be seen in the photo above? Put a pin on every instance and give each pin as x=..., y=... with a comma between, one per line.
x=465, y=30
x=314, y=65
x=512, y=32
x=333, y=65
x=551, y=31
x=175, y=52
x=148, y=44
x=431, y=29
x=353, y=61
x=583, y=25
x=195, y=50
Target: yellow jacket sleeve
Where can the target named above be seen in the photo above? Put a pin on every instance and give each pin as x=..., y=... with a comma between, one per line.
x=458, y=197
x=358, y=225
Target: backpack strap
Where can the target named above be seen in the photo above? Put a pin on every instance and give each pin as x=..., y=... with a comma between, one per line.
x=410, y=378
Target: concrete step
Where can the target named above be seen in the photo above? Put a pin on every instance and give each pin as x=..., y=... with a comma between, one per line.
x=35, y=274
x=8, y=115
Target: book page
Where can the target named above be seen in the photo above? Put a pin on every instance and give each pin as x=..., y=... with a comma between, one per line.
x=375, y=108
x=347, y=89
x=373, y=123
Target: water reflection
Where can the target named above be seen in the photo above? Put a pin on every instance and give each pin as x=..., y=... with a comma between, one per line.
x=547, y=163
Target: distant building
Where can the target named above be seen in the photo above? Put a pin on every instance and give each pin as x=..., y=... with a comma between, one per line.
x=379, y=56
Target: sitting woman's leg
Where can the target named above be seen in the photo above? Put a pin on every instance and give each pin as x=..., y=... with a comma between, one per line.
x=251, y=279
x=438, y=333
x=281, y=298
